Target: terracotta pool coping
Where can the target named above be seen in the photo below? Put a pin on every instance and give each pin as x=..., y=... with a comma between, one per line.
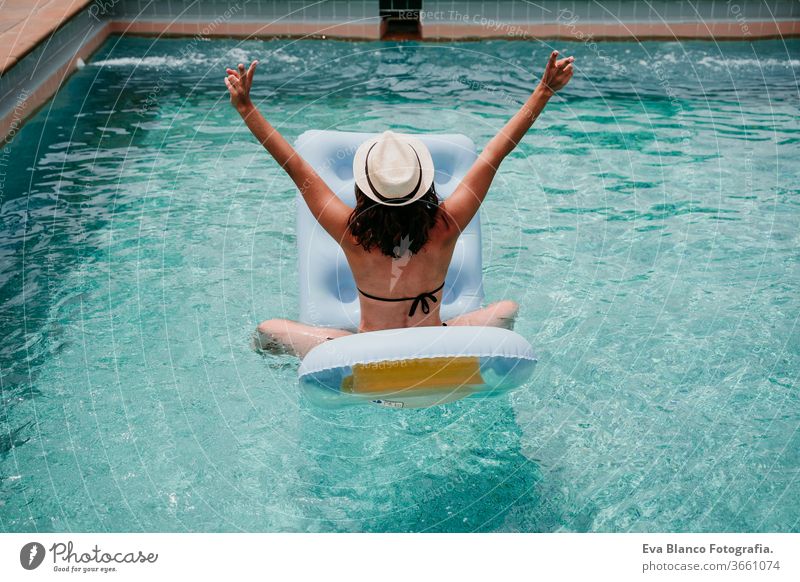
x=708, y=29
x=24, y=24
x=625, y=31
x=30, y=102
x=280, y=28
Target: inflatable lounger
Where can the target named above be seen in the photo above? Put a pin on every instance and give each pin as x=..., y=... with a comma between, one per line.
x=402, y=368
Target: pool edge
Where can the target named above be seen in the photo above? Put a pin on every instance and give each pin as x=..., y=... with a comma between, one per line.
x=20, y=102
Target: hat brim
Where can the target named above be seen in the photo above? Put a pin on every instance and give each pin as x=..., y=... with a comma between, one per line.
x=425, y=160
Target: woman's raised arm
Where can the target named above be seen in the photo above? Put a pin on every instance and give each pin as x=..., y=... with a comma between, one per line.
x=470, y=193
x=326, y=207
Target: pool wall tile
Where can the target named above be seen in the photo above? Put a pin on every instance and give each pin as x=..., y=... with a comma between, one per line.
x=39, y=74
x=505, y=10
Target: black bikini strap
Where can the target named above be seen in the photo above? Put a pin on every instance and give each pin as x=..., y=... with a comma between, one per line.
x=421, y=299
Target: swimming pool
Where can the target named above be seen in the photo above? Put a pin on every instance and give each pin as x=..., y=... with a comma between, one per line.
x=648, y=225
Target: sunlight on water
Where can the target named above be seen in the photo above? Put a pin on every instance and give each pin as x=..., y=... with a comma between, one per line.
x=648, y=225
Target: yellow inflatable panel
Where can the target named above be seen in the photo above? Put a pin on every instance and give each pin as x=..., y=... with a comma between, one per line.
x=413, y=375
x=416, y=367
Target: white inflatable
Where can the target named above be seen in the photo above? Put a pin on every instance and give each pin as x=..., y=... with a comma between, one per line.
x=409, y=367
x=416, y=366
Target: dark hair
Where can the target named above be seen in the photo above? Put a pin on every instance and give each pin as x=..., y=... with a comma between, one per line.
x=393, y=229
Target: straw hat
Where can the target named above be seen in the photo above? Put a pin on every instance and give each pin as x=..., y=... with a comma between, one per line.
x=393, y=169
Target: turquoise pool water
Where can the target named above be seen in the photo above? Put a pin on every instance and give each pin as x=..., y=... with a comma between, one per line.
x=648, y=225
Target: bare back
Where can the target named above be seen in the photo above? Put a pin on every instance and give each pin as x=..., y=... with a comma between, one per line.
x=408, y=276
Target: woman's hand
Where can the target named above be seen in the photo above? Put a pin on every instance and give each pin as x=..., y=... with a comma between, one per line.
x=556, y=75
x=239, y=83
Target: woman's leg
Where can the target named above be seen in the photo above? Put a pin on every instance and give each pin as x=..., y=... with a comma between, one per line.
x=283, y=335
x=499, y=314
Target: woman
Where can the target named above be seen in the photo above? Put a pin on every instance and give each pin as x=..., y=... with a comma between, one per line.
x=400, y=238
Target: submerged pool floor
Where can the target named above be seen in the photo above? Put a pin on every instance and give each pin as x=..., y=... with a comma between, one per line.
x=648, y=226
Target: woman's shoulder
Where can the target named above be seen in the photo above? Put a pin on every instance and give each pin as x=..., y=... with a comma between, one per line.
x=445, y=227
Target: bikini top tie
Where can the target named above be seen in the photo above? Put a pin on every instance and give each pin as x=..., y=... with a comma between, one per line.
x=421, y=299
